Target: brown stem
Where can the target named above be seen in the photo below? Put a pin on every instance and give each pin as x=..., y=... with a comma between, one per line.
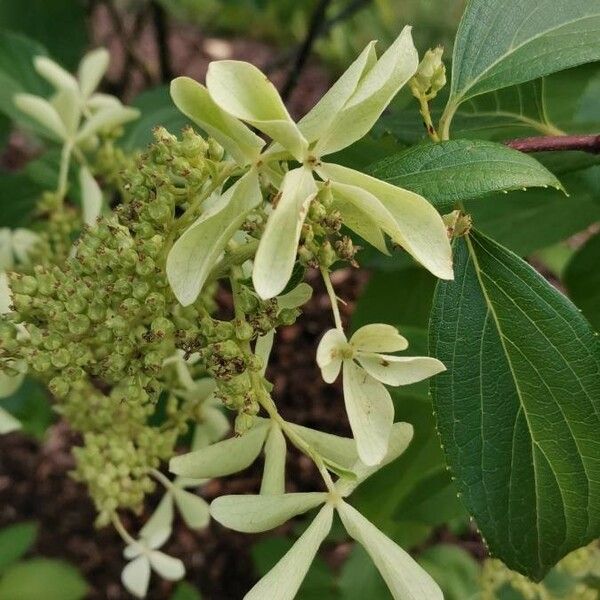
x=583, y=143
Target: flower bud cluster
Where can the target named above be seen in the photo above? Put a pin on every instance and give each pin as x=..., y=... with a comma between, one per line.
x=321, y=242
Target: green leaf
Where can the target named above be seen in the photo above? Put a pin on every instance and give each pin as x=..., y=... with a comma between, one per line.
x=460, y=170
x=528, y=221
x=360, y=578
x=20, y=196
x=15, y=540
x=59, y=25
x=582, y=278
x=31, y=406
x=505, y=42
x=42, y=578
x=517, y=410
x=185, y=591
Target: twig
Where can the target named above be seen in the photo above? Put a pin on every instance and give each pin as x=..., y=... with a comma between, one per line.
x=316, y=23
x=159, y=17
x=352, y=8
x=584, y=143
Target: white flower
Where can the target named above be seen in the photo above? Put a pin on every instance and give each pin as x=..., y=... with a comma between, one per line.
x=368, y=403
x=404, y=577
x=144, y=556
x=237, y=91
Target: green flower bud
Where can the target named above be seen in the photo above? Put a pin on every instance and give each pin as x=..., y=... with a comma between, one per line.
x=243, y=330
x=61, y=358
x=58, y=387
x=243, y=423
x=430, y=77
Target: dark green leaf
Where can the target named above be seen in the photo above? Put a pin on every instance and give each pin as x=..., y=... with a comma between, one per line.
x=185, y=591
x=156, y=108
x=582, y=278
x=18, y=198
x=460, y=170
x=31, y=406
x=505, y=42
x=57, y=24
x=360, y=579
x=42, y=578
x=517, y=410
x=15, y=540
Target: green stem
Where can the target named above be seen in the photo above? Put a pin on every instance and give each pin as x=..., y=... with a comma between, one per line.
x=235, y=257
x=446, y=121
x=426, y=114
x=121, y=530
x=63, y=174
x=333, y=299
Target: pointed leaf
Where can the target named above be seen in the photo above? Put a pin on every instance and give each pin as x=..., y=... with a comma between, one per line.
x=273, y=480
x=91, y=196
x=255, y=513
x=194, y=101
x=420, y=229
x=378, y=337
x=374, y=92
x=136, y=576
x=283, y=581
x=278, y=246
x=91, y=70
x=405, y=578
x=222, y=458
x=196, y=252
x=246, y=93
x=370, y=412
x=518, y=410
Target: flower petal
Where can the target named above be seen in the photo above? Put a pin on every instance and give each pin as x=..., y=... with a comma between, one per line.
x=161, y=520
x=328, y=354
x=91, y=196
x=7, y=422
x=106, y=118
x=5, y=293
x=222, y=458
x=68, y=106
x=378, y=337
x=41, y=111
x=136, y=576
x=193, y=509
x=168, y=567
x=337, y=449
x=246, y=93
x=263, y=347
x=194, y=101
x=370, y=412
x=54, y=74
x=399, y=370
x=273, y=480
x=196, y=252
x=405, y=578
x=420, y=229
x=300, y=295
x=255, y=513
x=320, y=117
x=400, y=438
x=278, y=247
x=374, y=92
x=283, y=581
x=91, y=70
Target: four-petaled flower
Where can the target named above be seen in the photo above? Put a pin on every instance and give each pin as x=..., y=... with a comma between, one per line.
x=368, y=403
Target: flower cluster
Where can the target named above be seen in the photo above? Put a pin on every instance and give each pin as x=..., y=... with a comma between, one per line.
x=122, y=329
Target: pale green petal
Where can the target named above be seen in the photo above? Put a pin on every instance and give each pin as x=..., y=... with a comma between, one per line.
x=369, y=207
x=370, y=412
x=255, y=513
x=263, y=347
x=194, y=101
x=320, y=117
x=196, y=252
x=7, y=422
x=156, y=539
x=6, y=248
x=68, y=106
x=42, y=112
x=91, y=70
x=246, y=93
x=328, y=354
x=161, y=519
x=374, y=92
x=136, y=576
x=361, y=223
x=166, y=566
x=400, y=438
x=222, y=458
x=405, y=578
x=283, y=581
x=278, y=246
x=300, y=295
x=5, y=294
x=107, y=118
x=399, y=370
x=23, y=240
x=378, y=337
x=423, y=233
x=273, y=480
x=91, y=196
x=193, y=509
x=54, y=74
x=337, y=449
x=216, y=423
x=98, y=101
